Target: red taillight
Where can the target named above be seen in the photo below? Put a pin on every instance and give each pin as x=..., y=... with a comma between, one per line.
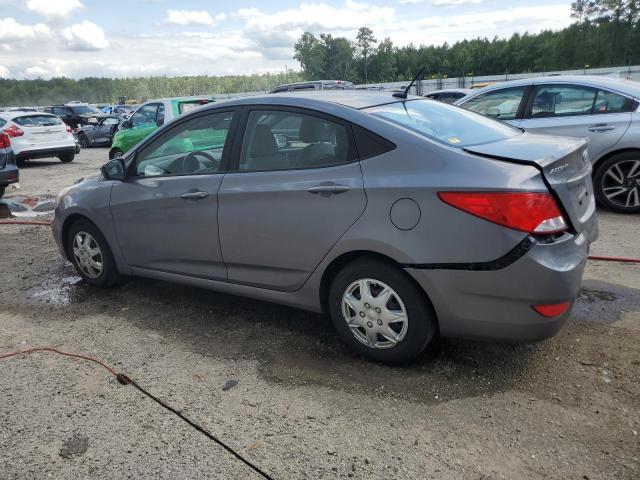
x=5, y=141
x=552, y=310
x=13, y=131
x=69, y=130
x=527, y=212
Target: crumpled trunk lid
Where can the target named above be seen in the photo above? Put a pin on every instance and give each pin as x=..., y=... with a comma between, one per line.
x=566, y=169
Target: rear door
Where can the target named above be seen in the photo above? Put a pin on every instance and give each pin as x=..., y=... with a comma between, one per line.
x=166, y=212
x=579, y=111
x=295, y=190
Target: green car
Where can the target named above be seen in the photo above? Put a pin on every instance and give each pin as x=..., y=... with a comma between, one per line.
x=148, y=117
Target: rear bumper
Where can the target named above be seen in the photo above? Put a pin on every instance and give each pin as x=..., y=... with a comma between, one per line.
x=497, y=304
x=46, y=152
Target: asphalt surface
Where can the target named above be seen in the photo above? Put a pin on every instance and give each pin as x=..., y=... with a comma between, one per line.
x=277, y=385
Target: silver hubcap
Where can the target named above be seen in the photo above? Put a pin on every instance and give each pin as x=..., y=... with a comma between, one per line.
x=375, y=313
x=621, y=183
x=87, y=254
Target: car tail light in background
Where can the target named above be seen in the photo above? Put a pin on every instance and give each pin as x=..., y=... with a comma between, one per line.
x=5, y=141
x=552, y=310
x=13, y=131
x=536, y=213
x=69, y=130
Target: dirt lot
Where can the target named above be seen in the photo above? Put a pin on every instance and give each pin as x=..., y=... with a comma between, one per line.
x=303, y=405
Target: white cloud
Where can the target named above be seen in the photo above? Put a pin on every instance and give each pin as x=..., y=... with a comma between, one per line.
x=85, y=36
x=445, y=3
x=4, y=72
x=192, y=17
x=11, y=31
x=54, y=9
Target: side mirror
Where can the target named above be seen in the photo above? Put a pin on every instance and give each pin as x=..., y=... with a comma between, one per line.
x=113, y=170
x=160, y=122
x=126, y=124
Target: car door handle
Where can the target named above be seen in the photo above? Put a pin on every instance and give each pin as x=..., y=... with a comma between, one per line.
x=328, y=188
x=602, y=127
x=194, y=195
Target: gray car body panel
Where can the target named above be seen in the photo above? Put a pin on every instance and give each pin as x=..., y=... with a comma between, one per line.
x=275, y=261
x=623, y=129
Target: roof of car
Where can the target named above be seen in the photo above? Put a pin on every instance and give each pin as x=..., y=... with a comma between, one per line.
x=628, y=87
x=357, y=99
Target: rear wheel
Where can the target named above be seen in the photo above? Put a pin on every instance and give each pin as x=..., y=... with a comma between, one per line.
x=83, y=140
x=67, y=157
x=380, y=313
x=617, y=183
x=90, y=254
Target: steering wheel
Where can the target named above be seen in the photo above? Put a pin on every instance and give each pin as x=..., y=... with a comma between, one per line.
x=188, y=161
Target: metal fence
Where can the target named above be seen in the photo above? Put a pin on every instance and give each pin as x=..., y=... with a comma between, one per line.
x=631, y=72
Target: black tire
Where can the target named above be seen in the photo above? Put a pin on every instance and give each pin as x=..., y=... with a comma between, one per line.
x=109, y=275
x=68, y=157
x=623, y=163
x=2, y=190
x=83, y=140
x=114, y=153
x=421, y=325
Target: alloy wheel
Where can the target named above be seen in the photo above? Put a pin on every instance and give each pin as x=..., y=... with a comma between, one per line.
x=374, y=313
x=84, y=141
x=621, y=183
x=87, y=254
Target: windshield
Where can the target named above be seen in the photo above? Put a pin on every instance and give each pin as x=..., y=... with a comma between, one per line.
x=85, y=109
x=446, y=124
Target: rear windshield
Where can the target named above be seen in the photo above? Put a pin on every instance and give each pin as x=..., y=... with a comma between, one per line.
x=37, y=120
x=85, y=110
x=187, y=106
x=444, y=123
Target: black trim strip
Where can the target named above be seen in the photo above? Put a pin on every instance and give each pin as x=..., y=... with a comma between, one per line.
x=510, y=257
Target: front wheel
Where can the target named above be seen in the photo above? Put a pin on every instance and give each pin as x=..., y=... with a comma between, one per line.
x=83, y=140
x=617, y=183
x=90, y=254
x=380, y=312
x=115, y=153
x=68, y=157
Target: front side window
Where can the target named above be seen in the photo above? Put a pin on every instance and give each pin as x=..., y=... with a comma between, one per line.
x=444, y=123
x=193, y=147
x=500, y=104
x=562, y=101
x=144, y=115
x=111, y=121
x=61, y=111
x=609, y=102
x=282, y=140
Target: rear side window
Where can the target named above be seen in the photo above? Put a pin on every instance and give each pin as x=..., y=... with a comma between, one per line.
x=37, y=121
x=444, y=123
x=369, y=144
x=184, y=107
x=609, y=102
x=500, y=104
x=2, y=122
x=285, y=140
x=562, y=101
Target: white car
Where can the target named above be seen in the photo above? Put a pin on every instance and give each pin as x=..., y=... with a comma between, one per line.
x=38, y=135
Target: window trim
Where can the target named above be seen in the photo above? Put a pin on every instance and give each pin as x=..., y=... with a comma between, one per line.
x=234, y=165
x=131, y=169
x=634, y=102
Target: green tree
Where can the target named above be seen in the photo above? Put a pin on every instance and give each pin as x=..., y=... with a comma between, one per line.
x=365, y=42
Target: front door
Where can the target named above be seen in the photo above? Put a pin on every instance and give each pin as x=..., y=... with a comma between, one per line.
x=166, y=213
x=296, y=189
x=579, y=111
x=142, y=124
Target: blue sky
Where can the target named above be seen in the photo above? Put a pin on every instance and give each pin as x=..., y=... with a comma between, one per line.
x=118, y=38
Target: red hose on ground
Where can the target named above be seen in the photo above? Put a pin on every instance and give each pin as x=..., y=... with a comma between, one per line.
x=590, y=257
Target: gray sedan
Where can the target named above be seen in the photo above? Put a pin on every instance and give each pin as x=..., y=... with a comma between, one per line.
x=603, y=109
x=401, y=218
x=99, y=133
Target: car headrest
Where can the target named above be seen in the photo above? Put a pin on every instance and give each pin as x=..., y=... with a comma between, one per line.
x=263, y=142
x=312, y=130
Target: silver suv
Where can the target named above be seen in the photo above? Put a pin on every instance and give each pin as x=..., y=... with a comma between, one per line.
x=606, y=110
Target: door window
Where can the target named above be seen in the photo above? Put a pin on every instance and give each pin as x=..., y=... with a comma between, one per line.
x=282, y=140
x=144, y=115
x=160, y=115
x=501, y=104
x=61, y=111
x=193, y=147
x=562, y=101
x=111, y=121
x=609, y=102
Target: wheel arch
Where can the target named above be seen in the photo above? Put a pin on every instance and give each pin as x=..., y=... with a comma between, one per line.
x=341, y=260
x=610, y=154
x=66, y=226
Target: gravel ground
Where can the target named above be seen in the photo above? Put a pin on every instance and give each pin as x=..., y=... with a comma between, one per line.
x=303, y=405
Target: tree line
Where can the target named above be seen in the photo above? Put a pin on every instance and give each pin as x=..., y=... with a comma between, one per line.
x=604, y=33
